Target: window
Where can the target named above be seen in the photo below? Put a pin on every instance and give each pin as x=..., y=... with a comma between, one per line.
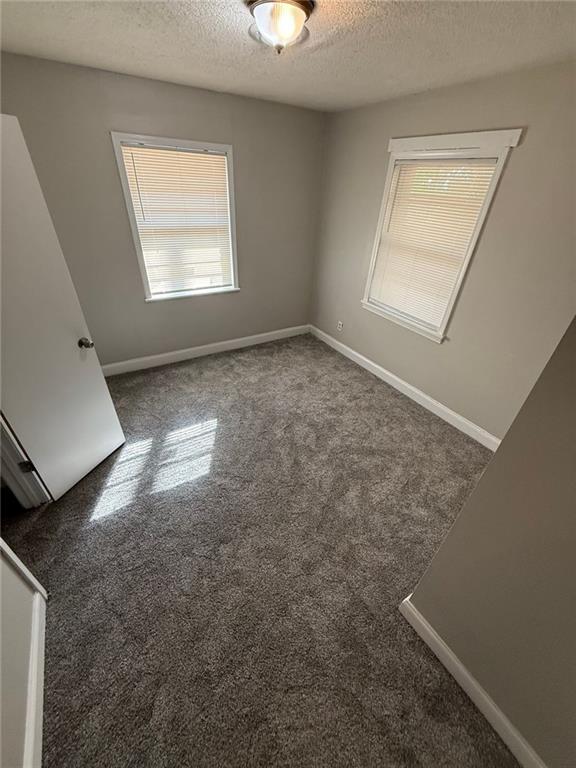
x=436, y=197
x=180, y=204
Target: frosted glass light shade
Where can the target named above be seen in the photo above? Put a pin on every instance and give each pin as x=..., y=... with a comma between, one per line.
x=280, y=24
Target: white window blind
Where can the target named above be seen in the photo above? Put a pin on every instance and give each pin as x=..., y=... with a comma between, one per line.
x=433, y=212
x=179, y=201
x=437, y=194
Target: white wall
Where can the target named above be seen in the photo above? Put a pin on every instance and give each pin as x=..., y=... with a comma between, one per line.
x=520, y=292
x=67, y=113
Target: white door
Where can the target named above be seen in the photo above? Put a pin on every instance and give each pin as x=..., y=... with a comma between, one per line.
x=54, y=396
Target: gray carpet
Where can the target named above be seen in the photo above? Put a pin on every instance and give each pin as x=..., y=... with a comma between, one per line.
x=225, y=588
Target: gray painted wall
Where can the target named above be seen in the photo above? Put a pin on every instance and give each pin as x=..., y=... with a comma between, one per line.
x=67, y=113
x=520, y=292
x=308, y=188
x=498, y=589
x=501, y=590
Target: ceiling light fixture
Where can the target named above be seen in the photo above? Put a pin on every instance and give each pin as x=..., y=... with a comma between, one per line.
x=280, y=23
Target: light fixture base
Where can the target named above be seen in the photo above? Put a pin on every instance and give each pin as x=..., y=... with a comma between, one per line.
x=306, y=5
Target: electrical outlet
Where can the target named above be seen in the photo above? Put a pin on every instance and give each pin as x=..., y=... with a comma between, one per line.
x=339, y=325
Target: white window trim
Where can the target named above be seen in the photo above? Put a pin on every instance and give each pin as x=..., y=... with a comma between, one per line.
x=494, y=144
x=193, y=146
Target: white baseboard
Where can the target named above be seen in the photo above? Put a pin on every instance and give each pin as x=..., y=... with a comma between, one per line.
x=513, y=739
x=140, y=363
x=458, y=421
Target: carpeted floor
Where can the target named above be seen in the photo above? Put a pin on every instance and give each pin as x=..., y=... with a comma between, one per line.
x=225, y=588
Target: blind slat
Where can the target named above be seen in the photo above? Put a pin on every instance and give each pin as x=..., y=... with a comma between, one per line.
x=433, y=211
x=181, y=206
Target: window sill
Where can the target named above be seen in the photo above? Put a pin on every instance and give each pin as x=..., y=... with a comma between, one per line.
x=437, y=336
x=190, y=294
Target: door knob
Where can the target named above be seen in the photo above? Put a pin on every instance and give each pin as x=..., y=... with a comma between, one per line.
x=85, y=343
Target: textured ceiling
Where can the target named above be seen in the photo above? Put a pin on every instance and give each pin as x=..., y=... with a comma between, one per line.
x=357, y=53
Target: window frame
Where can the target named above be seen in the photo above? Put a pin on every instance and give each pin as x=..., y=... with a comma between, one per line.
x=466, y=146
x=118, y=140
